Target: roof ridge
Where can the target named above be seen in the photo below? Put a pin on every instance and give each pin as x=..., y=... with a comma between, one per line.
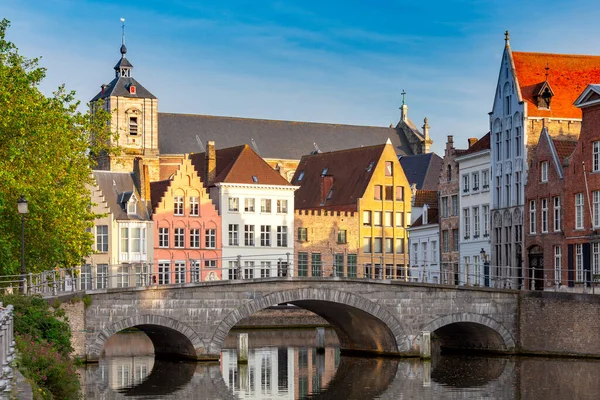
x=275, y=120
x=557, y=54
x=345, y=150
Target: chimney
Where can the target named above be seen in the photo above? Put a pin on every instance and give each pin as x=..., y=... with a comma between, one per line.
x=210, y=159
x=403, y=113
x=472, y=141
x=427, y=142
x=325, y=185
x=449, y=144
x=103, y=87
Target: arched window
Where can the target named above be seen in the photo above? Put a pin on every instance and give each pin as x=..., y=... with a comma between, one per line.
x=449, y=178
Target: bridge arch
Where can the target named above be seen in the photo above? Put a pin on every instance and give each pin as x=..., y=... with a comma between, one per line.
x=360, y=324
x=471, y=331
x=170, y=337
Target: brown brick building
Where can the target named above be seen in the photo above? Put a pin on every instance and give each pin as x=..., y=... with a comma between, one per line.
x=563, y=205
x=449, y=213
x=545, y=215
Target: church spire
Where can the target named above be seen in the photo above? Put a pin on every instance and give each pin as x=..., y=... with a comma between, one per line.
x=507, y=39
x=123, y=67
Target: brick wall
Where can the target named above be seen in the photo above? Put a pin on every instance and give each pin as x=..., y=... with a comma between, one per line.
x=538, y=191
x=322, y=233
x=559, y=323
x=75, y=316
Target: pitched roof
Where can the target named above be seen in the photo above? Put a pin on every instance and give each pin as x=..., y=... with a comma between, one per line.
x=240, y=164
x=117, y=188
x=274, y=139
x=564, y=147
x=120, y=87
x=157, y=191
x=432, y=218
x=429, y=197
x=350, y=172
x=423, y=170
x=482, y=144
x=568, y=75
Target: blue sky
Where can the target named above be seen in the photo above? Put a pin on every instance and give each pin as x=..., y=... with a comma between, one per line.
x=324, y=61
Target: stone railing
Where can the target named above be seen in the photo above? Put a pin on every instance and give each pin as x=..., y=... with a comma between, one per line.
x=7, y=350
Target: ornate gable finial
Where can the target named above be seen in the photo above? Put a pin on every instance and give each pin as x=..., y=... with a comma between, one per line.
x=403, y=94
x=547, y=71
x=507, y=38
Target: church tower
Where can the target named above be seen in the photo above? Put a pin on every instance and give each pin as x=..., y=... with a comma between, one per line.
x=134, y=116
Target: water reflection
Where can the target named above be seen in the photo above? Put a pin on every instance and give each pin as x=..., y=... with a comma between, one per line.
x=284, y=371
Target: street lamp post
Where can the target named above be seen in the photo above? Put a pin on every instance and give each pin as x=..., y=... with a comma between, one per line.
x=486, y=268
x=22, y=207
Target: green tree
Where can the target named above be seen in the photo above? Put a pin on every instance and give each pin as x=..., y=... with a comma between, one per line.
x=46, y=154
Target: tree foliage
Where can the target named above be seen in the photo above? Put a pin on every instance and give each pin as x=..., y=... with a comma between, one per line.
x=45, y=154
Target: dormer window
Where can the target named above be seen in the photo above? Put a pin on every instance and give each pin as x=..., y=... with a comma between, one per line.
x=301, y=176
x=324, y=171
x=133, y=126
x=131, y=206
x=544, y=96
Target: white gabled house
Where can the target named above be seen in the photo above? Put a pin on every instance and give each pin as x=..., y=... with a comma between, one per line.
x=256, y=205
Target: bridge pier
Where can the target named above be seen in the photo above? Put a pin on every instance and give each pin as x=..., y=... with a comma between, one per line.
x=425, y=351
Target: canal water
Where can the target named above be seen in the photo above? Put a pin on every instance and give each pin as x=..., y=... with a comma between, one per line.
x=285, y=364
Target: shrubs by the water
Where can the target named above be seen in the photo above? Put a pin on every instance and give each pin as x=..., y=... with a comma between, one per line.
x=51, y=371
x=43, y=341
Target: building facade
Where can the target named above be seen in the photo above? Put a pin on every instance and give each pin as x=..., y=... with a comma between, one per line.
x=365, y=189
x=256, y=205
x=124, y=245
x=544, y=219
x=423, y=243
x=475, y=217
x=449, y=214
x=533, y=91
x=187, y=229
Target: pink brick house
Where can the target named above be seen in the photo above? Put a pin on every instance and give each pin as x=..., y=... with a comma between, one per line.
x=187, y=234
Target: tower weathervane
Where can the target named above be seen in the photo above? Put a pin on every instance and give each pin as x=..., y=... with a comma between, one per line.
x=547, y=69
x=122, y=31
x=403, y=94
x=506, y=37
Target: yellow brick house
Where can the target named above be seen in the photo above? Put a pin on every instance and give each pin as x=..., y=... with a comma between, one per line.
x=351, y=214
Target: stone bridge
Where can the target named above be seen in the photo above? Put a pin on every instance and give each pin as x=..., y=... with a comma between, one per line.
x=378, y=317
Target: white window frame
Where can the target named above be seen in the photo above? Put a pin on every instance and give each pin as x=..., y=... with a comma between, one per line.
x=195, y=238
x=265, y=235
x=556, y=201
x=476, y=222
x=179, y=238
x=249, y=234
x=282, y=236
x=596, y=156
x=210, y=238
x=532, y=217
x=234, y=235
x=249, y=204
x=596, y=208
x=544, y=171
x=485, y=180
x=465, y=183
x=194, y=206
x=475, y=181
x=579, y=203
x=282, y=206
x=163, y=237
x=595, y=259
x=234, y=204
x=466, y=223
x=486, y=220
x=178, y=205
x=179, y=271
x=544, y=215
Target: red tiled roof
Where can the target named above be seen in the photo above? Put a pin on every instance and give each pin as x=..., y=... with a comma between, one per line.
x=564, y=147
x=349, y=170
x=480, y=145
x=429, y=197
x=239, y=165
x=568, y=75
